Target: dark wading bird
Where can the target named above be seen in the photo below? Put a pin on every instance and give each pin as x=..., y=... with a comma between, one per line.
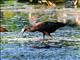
x=3, y=29
x=45, y=27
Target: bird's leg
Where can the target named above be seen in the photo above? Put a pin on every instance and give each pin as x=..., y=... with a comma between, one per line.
x=50, y=37
x=45, y=41
x=43, y=36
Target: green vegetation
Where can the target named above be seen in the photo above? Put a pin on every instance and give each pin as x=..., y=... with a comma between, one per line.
x=14, y=21
x=8, y=14
x=77, y=36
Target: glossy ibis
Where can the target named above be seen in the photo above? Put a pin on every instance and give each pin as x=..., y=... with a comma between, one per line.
x=45, y=27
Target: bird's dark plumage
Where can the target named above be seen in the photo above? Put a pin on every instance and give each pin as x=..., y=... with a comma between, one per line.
x=46, y=27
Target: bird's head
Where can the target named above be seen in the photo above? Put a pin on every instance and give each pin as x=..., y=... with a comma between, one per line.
x=29, y=29
x=25, y=29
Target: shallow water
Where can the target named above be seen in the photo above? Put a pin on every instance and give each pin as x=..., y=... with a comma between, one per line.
x=24, y=51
